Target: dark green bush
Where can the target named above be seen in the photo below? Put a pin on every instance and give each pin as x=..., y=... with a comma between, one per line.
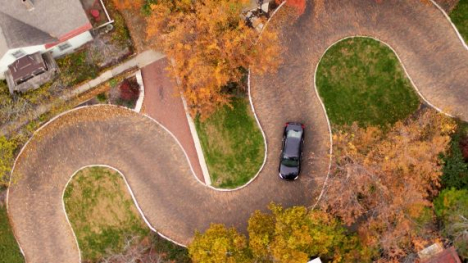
x=455, y=170
x=146, y=8
x=101, y=97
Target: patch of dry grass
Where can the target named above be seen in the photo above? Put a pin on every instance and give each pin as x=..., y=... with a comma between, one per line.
x=102, y=212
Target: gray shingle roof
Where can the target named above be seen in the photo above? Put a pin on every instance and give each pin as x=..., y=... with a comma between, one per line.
x=49, y=20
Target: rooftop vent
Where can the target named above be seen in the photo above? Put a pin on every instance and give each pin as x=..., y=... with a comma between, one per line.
x=28, y=4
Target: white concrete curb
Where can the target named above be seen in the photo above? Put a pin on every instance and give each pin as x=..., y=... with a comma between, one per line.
x=406, y=73
x=188, y=160
x=409, y=77
x=402, y=65
x=325, y=111
x=141, y=98
x=453, y=25
x=66, y=215
x=96, y=106
x=196, y=141
x=129, y=190
x=261, y=130
x=330, y=153
x=16, y=160
x=144, y=115
x=253, y=109
x=268, y=21
x=256, y=119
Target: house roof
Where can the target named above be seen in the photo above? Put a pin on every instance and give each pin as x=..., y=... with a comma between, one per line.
x=449, y=255
x=46, y=23
x=27, y=66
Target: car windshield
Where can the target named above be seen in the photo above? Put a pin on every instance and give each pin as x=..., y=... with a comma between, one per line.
x=294, y=134
x=290, y=161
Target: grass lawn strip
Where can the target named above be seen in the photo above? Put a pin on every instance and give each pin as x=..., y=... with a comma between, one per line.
x=9, y=250
x=360, y=80
x=232, y=144
x=459, y=17
x=104, y=218
x=102, y=212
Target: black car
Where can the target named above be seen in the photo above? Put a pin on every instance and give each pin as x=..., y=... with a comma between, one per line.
x=291, y=153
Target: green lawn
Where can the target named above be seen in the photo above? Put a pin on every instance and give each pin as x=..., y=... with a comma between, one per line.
x=104, y=217
x=360, y=80
x=232, y=144
x=459, y=17
x=9, y=250
x=75, y=69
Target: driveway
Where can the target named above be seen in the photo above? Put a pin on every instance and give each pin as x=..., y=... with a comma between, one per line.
x=164, y=104
x=156, y=168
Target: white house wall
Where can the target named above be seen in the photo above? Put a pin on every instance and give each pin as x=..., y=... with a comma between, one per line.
x=74, y=42
x=8, y=58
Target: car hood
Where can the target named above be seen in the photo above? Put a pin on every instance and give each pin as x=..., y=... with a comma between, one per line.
x=288, y=172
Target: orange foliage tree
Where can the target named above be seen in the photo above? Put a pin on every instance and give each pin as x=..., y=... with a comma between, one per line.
x=210, y=46
x=384, y=180
x=128, y=4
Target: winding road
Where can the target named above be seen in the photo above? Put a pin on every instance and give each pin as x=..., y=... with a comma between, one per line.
x=155, y=167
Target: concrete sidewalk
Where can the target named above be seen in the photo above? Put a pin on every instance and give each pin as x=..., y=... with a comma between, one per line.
x=139, y=61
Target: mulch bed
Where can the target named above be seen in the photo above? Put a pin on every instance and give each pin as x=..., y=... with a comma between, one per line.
x=136, y=23
x=124, y=93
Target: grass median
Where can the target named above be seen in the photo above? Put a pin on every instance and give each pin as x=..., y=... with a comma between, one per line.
x=361, y=80
x=459, y=17
x=232, y=144
x=107, y=223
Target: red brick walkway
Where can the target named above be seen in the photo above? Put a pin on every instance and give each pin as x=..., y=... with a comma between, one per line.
x=163, y=103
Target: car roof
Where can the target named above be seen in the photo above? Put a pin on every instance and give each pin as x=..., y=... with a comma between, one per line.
x=293, y=143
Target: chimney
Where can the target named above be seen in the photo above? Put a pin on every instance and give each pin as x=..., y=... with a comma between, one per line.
x=28, y=4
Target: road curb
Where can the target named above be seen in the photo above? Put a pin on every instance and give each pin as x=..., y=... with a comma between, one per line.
x=196, y=141
x=131, y=194
x=325, y=111
x=453, y=25
x=404, y=69
x=141, y=97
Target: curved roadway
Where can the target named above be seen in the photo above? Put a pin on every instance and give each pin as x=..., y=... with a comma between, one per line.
x=156, y=168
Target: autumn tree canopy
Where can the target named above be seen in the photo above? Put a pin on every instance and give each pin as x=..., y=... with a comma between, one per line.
x=219, y=244
x=128, y=4
x=284, y=235
x=385, y=180
x=210, y=46
x=295, y=234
